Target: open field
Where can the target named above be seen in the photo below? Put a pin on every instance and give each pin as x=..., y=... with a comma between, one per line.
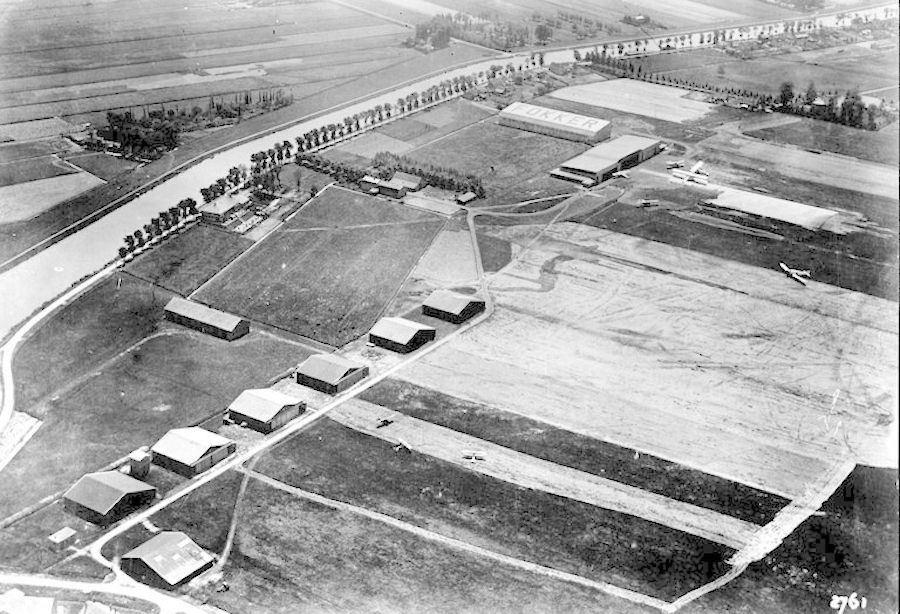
x=512, y=164
x=756, y=359
x=183, y=263
x=12, y=151
x=565, y=534
x=879, y=146
x=288, y=555
x=850, y=67
x=329, y=272
x=23, y=171
x=101, y=165
x=574, y=450
x=174, y=379
x=24, y=201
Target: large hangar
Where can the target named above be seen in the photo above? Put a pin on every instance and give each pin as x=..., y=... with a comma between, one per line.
x=600, y=162
x=551, y=122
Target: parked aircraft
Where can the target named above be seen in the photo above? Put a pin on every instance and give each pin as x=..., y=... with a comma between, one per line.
x=402, y=447
x=675, y=164
x=622, y=174
x=473, y=455
x=686, y=176
x=797, y=275
x=383, y=422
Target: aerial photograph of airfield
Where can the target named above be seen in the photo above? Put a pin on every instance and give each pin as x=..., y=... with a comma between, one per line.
x=444, y=306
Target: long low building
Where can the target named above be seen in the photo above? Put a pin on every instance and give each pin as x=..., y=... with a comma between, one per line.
x=551, y=122
x=106, y=497
x=452, y=306
x=330, y=373
x=762, y=205
x=206, y=319
x=600, y=162
x=264, y=410
x=166, y=560
x=191, y=451
x=401, y=335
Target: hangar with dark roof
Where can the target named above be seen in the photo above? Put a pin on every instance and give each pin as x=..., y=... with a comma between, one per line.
x=264, y=410
x=106, y=497
x=600, y=162
x=166, y=560
x=401, y=335
x=191, y=451
x=330, y=373
x=206, y=319
x=452, y=306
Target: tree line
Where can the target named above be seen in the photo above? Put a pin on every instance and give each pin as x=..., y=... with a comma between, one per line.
x=165, y=221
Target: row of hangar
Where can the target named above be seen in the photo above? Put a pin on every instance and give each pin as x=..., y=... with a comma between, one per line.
x=171, y=558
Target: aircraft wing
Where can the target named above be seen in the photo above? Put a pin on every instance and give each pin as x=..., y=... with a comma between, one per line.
x=696, y=168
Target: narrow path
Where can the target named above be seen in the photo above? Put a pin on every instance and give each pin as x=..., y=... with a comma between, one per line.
x=456, y=544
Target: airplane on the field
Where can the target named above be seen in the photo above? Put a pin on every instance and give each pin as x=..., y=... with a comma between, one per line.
x=622, y=174
x=402, y=447
x=687, y=176
x=698, y=169
x=383, y=422
x=797, y=275
x=675, y=164
x=473, y=455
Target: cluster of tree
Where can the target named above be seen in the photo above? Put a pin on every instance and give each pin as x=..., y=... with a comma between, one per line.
x=341, y=171
x=485, y=30
x=849, y=109
x=580, y=25
x=164, y=221
x=236, y=176
x=147, y=136
x=438, y=176
x=271, y=158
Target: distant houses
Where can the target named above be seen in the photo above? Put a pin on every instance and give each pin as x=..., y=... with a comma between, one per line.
x=330, y=373
x=206, y=319
x=264, y=410
x=191, y=451
x=106, y=497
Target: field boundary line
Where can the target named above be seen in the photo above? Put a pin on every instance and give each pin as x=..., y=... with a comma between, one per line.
x=609, y=589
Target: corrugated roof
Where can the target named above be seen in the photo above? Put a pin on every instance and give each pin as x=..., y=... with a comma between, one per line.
x=101, y=491
x=330, y=368
x=601, y=157
x=202, y=313
x=262, y=403
x=172, y=555
x=399, y=330
x=551, y=118
x=451, y=302
x=188, y=445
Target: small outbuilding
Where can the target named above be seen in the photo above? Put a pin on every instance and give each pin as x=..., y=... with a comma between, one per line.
x=191, y=451
x=466, y=197
x=330, y=373
x=62, y=539
x=206, y=319
x=166, y=560
x=264, y=410
x=452, y=306
x=401, y=335
x=106, y=497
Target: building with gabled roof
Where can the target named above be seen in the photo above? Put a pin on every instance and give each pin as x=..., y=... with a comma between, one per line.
x=600, y=162
x=552, y=122
x=219, y=209
x=401, y=335
x=408, y=180
x=166, y=560
x=330, y=373
x=191, y=451
x=106, y=497
x=264, y=410
x=452, y=306
x=206, y=319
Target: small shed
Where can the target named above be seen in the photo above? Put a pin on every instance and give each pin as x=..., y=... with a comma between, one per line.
x=466, y=197
x=106, y=497
x=62, y=539
x=264, y=410
x=206, y=319
x=330, y=373
x=452, y=306
x=191, y=451
x=401, y=335
x=166, y=560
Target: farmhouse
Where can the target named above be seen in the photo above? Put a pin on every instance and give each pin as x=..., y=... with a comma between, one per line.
x=190, y=451
x=555, y=123
x=393, y=188
x=401, y=335
x=410, y=181
x=166, y=560
x=600, y=162
x=219, y=210
x=369, y=184
x=264, y=410
x=206, y=319
x=330, y=373
x=106, y=497
x=452, y=306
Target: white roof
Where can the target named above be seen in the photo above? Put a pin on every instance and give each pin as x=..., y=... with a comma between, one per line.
x=330, y=368
x=605, y=155
x=202, y=313
x=551, y=118
x=450, y=302
x=224, y=204
x=188, y=445
x=400, y=330
x=14, y=600
x=261, y=403
x=172, y=555
x=775, y=208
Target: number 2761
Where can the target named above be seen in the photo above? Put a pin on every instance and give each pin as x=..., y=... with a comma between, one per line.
x=840, y=602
